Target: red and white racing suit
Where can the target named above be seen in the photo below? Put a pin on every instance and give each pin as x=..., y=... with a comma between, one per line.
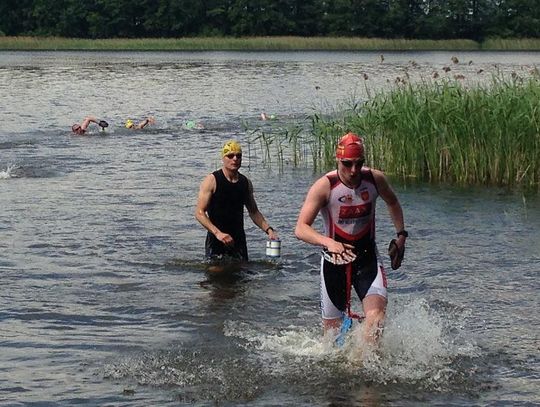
x=349, y=217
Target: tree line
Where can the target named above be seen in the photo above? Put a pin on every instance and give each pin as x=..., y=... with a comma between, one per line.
x=414, y=19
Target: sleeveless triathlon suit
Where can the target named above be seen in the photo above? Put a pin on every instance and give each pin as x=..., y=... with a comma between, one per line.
x=349, y=217
x=226, y=211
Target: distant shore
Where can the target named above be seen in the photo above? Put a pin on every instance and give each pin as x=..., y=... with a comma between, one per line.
x=262, y=44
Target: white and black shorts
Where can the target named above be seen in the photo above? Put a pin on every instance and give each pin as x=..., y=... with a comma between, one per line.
x=367, y=279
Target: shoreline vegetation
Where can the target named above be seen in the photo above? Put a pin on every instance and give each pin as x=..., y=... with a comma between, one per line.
x=440, y=131
x=25, y=43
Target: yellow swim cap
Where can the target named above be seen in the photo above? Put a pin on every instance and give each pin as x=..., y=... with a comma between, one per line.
x=129, y=124
x=231, y=146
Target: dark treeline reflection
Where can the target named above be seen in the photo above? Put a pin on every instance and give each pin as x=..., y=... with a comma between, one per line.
x=422, y=19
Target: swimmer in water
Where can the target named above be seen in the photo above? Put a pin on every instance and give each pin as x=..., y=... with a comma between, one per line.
x=265, y=117
x=192, y=124
x=81, y=128
x=141, y=125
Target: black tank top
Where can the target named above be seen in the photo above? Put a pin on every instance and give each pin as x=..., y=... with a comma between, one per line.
x=226, y=211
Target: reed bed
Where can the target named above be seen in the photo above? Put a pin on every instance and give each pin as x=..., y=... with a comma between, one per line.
x=281, y=43
x=436, y=131
x=230, y=43
x=447, y=132
x=514, y=44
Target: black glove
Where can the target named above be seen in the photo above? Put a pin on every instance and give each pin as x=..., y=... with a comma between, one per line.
x=396, y=254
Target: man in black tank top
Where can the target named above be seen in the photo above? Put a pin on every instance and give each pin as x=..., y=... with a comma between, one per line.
x=220, y=207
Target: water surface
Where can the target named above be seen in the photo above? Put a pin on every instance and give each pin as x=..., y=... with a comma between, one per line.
x=105, y=300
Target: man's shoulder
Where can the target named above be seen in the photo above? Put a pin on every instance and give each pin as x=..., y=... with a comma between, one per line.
x=212, y=176
x=209, y=181
x=331, y=174
x=217, y=176
x=324, y=183
x=330, y=178
x=377, y=174
x=379, y=180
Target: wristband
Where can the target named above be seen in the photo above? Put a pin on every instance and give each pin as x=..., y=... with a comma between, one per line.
x=403, y=233
x=267, y=229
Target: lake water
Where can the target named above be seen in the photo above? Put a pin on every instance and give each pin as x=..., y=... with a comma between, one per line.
x=105, y=299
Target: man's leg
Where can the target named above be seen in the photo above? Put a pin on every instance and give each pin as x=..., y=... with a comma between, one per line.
x=374, y=310
x=333, y=324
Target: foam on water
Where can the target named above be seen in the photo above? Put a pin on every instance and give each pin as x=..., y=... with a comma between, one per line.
x=205, y=374
x=419, y=346
x=422, y=348
x=8, y=172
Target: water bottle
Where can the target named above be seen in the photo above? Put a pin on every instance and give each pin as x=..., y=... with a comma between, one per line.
x=273, y=248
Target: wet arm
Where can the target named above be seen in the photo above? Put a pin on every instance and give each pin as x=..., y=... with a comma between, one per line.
x=205, y=194
x=316, y=199
x=146, y=122
x=87, y=120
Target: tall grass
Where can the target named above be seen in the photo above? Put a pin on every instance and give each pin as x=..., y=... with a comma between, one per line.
x=512, y=44
x=231, y=43
x=447, y=132
x=282, y=43
x=441, y=132
x=280, y=144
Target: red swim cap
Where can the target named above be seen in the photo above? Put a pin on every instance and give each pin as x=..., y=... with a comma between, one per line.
x=350, y=146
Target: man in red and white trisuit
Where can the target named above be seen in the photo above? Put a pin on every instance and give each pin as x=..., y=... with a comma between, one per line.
x=346, y=199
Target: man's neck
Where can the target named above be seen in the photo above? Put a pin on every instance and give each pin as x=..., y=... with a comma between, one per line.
x=350, y=185
x=231, y=175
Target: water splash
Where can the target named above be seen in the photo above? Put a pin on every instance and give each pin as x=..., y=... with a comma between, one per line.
x=205, y=374
x=8, y=172
x=421, y=349
x=420, y=346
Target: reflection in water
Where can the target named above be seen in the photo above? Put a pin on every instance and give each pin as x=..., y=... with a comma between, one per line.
x=362, y=394
x=225, y=279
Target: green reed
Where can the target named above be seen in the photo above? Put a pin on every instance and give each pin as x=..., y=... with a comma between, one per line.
x=447, y=132
x=231, y=43
x=437, y=131
x=525, y=44
x=277, y=142
x=281, y=43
